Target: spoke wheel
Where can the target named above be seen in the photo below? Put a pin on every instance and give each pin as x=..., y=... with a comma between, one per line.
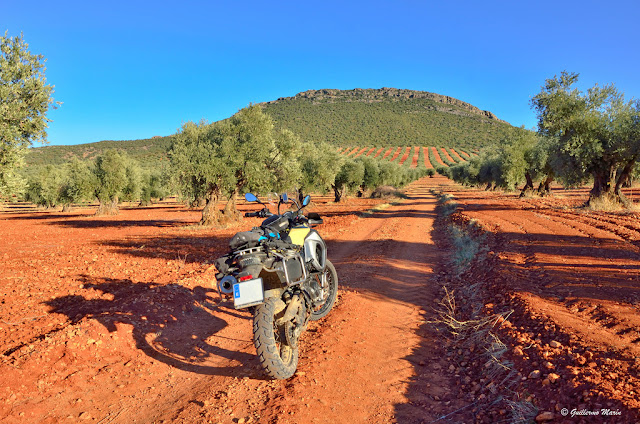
x=329, y=284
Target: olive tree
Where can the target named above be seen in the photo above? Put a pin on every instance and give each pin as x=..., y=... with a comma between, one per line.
x=349, y=177
x=371, y=178
x=78, y=185
x=224, y=159
x=198, y=168
x=154, y=186
x=596, y=134
x=260, y=158
x=25, y=98
x=44, y=188
x=319, y=164
x=111, y=178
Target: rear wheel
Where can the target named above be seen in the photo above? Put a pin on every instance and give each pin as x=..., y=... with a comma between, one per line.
x=278, y=359
x=329, y=284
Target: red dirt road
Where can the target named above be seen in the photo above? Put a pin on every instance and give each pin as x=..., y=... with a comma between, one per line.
x=115, y=320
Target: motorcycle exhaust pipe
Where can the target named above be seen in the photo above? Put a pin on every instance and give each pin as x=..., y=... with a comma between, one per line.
x=226, y=284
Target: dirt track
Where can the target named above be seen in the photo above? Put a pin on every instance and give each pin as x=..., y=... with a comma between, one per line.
x=122, y=324
x=116, y=320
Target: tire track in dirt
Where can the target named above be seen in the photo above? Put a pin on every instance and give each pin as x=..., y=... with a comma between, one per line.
x=355, y=368
x=365, y=362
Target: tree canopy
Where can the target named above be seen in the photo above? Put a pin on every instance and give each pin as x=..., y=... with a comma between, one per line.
x=25, y=98
x=229, y=157
x=596, y=133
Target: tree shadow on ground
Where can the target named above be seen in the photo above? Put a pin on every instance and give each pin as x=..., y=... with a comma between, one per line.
x=423, y=388
x=170, y=323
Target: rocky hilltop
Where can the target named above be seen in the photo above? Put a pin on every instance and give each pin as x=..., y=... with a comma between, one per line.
x=370, y=95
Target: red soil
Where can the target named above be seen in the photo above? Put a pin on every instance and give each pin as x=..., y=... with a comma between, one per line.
x=458, y=157
x=446, y=154
x=387, y=153
x=427, y=162
x=378, y=152
x=355, y=150
x=117, y=320
x=571, y=278
x=364, y=149
x=371, y=151
x=396, y=154
x=437, y=156
x=465, y=154
x=405, y=156
x=416, y=154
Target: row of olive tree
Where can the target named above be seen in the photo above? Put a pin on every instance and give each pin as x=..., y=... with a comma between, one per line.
x=582, y=137
x=521, y=159
x=213, y=162
x=112, y=177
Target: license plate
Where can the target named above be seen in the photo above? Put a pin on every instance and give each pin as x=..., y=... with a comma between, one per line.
x=248, y=293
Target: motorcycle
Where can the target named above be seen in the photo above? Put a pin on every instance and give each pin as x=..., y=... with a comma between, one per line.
x=280, y=270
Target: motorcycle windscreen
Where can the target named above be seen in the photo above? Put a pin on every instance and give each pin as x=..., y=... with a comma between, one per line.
x=248, y=293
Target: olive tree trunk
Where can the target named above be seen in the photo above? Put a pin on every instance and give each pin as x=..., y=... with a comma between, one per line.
x=528, y=187
x=230, y=212
x=624, y=178
x=210, y=212
x=339, y=193
x=604, y=183
x=108, y=207
x=544, y=188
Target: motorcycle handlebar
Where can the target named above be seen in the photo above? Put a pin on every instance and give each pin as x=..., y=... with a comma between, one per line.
x=260, y=214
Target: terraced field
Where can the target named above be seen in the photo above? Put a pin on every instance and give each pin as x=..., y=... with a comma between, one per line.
x=412, y=156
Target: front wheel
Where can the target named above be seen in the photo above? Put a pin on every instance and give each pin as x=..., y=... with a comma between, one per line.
x=278, y=359
x=329, y=284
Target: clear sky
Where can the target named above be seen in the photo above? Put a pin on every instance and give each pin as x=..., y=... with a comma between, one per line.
x=132, y=69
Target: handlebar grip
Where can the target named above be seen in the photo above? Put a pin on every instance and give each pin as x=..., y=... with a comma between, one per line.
x=250, y=214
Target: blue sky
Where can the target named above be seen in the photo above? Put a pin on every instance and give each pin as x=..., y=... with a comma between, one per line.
x=129, y=70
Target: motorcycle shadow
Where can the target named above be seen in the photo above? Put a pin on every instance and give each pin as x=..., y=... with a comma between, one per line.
x=186, y=328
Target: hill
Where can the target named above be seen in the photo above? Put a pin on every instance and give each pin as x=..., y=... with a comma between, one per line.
x=358, y=117
x=386, y=117
x=150, y=152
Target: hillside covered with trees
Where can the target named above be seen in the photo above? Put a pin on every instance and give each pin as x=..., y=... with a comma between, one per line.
x=386, y=117
x=372, y=117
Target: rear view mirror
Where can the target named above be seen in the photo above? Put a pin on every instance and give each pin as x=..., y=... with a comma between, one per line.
x=284, y=198
x=250, y=197
x=306, y=200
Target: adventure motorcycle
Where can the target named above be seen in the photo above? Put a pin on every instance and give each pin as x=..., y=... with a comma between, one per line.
x=280, y=269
